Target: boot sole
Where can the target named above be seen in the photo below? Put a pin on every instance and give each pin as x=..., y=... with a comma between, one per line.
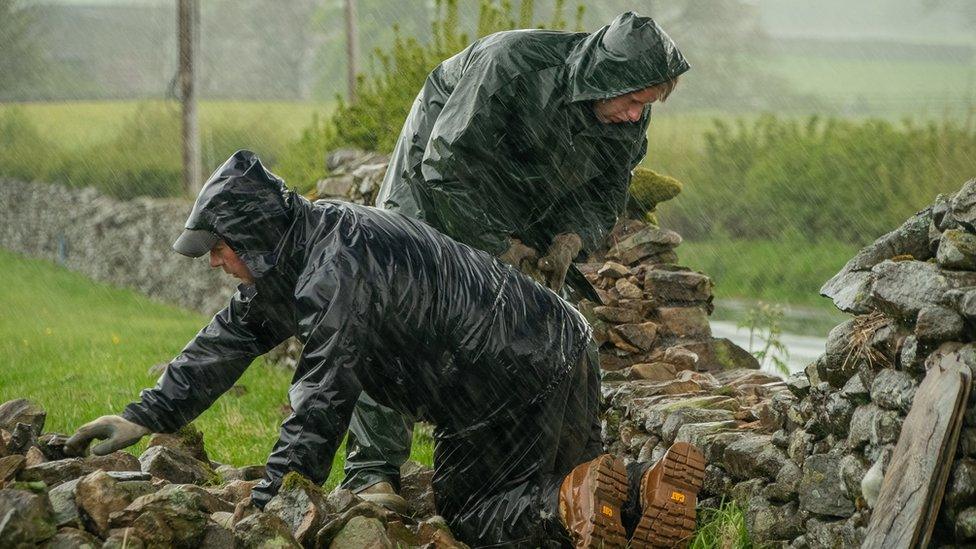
x=669, y=521
x=610, y=493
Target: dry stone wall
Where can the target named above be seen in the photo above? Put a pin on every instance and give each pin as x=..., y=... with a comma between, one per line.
x=806, y=457
x=173, y=495
x=124, y=243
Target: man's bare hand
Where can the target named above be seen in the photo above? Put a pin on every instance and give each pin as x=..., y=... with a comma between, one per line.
x=565, y=247
x=117, y=431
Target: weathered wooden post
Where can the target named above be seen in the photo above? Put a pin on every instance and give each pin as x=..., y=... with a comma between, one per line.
x=188, y=22
x=352, y=49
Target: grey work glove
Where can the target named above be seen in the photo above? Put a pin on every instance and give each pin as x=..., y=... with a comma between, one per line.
x=523, y=258
x=118, y=432
x=565, y=247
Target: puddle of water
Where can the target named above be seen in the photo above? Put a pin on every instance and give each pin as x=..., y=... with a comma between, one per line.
x=802, y=349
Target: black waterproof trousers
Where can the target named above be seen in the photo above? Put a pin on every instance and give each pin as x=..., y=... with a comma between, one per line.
x=378, y=444
x=498, y=486
x=380, y=439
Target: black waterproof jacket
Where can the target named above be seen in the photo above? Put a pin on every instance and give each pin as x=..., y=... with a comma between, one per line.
x=502, y=140
x=381, y=302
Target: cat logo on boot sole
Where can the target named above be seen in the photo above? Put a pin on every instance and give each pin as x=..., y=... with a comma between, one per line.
x=678, y=496
x=607, y=510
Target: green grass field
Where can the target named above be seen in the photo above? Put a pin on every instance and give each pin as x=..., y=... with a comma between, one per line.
x=82, y=350
x=81, y=124
x=788, y=271
x=896, y=86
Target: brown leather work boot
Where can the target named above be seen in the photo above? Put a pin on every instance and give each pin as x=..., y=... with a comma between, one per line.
x=383, y=494
x=668, y=496
x=589, y=503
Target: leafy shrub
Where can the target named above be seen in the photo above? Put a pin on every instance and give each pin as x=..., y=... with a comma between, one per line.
x=820, y=179
x=22, y=148
x=385, y=95
x=142, y=160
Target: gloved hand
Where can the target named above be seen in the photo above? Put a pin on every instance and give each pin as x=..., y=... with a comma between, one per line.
x=523, y=258
x=518, y=253
x=118, y=431
x=565, y=247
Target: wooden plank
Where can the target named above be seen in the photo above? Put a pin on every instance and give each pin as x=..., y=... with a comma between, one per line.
x=915, y=480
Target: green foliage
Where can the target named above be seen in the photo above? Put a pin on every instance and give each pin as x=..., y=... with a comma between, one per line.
x=142, y=157
x=764, y=324
x=820, y=179
x=784, y=270
x=385, y=95
x=722, y=528
x=22, y=148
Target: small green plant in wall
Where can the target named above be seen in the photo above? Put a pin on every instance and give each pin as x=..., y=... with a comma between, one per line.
x=764, y=322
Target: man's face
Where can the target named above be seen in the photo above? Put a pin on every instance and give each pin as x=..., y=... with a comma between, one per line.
x=221, y=255
x=630, y=106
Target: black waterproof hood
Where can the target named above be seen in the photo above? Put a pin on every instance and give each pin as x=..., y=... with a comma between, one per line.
x=247, y=206
x=629, y=54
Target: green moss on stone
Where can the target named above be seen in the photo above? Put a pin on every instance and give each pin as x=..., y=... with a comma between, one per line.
x=723, y=357
x=707, y=402
x=190, y=435
x=36, y=486
x=649, y=188
x=725, y=391
x=296, y=481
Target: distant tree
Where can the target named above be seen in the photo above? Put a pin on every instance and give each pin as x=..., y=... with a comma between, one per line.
x=20, y=58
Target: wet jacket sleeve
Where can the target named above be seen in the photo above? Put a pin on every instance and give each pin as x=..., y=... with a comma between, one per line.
x=592, y=210
x=474, y=194
x=325, y=387
x=208, y=366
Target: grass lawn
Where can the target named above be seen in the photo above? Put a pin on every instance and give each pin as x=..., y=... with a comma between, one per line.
x=82, y=350
x=775, y=271
x=883, y=86
x=80, y=124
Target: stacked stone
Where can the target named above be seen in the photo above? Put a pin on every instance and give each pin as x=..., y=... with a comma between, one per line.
x=912, y=293
x=653, y=319
x=354, y=176
x=125, y=243
x=725, y=414
x=173, y=495
x=805, y=458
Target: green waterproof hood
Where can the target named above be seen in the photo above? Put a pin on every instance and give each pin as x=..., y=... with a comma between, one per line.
x=629, y=54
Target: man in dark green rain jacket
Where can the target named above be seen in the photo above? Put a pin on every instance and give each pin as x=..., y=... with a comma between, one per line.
x=524, y=141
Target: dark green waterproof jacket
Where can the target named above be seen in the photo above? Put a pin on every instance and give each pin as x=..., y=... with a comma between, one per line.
x=502, y=140
x=379, y=301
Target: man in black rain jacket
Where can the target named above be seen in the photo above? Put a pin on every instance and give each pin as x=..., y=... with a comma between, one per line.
x=523, y=141
x=430, y=327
